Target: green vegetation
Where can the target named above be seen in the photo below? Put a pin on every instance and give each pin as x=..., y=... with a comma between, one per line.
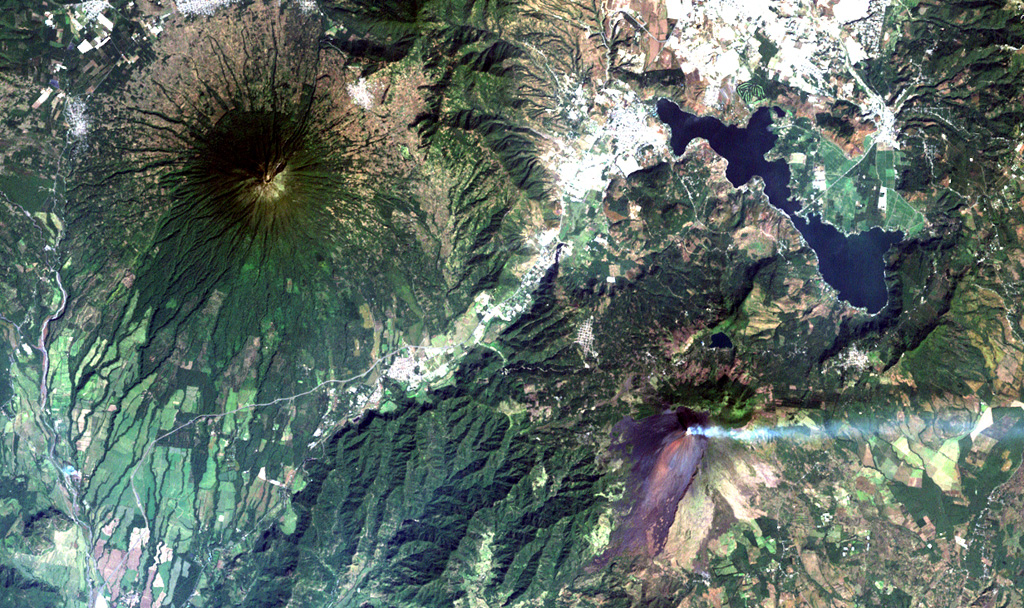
x=854, y=194
x=17, y=590
x=30, y=191
x=751, y=92
x=22, y=35
x=312, y=355
x=437, y=502
x=767, y=49
x=963, y=124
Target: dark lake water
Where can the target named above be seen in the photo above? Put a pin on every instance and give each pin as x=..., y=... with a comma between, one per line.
x=720, y=340
x=854, y=265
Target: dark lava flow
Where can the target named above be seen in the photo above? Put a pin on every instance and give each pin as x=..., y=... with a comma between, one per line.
x=665, y=460
x=854, y=265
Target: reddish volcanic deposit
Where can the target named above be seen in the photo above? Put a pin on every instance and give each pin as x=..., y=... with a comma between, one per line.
x=665, y=460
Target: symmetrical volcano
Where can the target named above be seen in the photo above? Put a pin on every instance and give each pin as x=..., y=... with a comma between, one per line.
x=232, y=156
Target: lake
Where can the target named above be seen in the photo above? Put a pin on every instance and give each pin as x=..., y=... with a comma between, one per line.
x=854, y=265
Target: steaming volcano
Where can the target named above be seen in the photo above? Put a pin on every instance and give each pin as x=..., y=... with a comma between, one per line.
x=665, y=457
